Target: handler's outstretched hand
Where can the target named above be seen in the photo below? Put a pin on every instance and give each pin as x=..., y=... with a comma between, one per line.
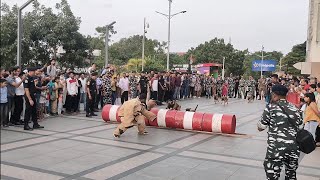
x=151, y=104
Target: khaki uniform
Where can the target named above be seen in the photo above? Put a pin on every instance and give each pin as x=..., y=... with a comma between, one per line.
x=133, y=113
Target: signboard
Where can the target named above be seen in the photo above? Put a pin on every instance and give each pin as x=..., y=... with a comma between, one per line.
x=267, y=65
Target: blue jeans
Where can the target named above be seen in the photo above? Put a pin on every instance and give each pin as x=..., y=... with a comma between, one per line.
x=114, y=97
x=4, y=113
x=176, y=95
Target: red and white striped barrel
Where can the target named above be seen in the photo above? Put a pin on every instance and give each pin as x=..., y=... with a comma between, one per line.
x=217, y=123
x=110, y=113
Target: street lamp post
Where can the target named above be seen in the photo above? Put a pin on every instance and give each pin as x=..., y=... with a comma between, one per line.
x=262, y=58
x=107, y=42
x=143, y=41
x=169, y=29
x=19, y=31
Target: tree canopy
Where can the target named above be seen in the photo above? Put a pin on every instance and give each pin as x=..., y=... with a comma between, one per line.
x=46, y=30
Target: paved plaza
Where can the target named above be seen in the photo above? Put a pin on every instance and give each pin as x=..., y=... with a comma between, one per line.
x=76, y=147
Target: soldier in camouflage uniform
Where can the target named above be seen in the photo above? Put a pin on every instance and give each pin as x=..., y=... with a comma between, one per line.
x=231, y=86
x=208, y=85
x=219, y=87
x=282, y=147
x=106, y=91
x=251, y=84
x=242, y=89
x=133, y=84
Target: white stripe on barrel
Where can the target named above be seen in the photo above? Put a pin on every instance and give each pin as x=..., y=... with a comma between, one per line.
x=113, y=113
x=187, y=120
x=216, y=123
x=161, y=117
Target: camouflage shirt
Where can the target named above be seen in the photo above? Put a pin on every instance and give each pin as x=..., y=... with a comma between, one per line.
x=281, y=133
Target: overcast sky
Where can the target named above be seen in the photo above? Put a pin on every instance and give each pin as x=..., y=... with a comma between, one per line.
x=276, y=24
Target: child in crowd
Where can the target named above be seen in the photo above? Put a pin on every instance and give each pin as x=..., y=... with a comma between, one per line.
x=4, y=111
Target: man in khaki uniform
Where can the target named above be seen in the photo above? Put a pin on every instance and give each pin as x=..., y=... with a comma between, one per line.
x=133, y=113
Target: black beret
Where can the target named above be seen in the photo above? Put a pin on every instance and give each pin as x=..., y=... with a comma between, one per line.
x=280, y=90
x=2, y=80
x=94, y=74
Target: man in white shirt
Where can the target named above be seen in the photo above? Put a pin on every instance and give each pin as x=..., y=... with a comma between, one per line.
x=18, y=98
x=124, y=86
x=82, y=92
x=52, y=69
x=72, y=89
x=154, y=87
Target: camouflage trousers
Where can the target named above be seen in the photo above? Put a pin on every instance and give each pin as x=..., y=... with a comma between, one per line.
x=272, y=166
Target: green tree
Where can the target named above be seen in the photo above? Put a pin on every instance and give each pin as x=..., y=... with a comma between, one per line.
x=215, y=50
x=297, y=54
x=43, y=33
x=8, y=48
x=128, y=48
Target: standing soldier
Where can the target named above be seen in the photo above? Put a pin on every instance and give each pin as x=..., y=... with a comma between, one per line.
x=133, y=112
x=91, y=94
x=262, y=88
x=219, y=87
x=31, y=105
x=231, y=86
x=106, y=89
x=250, y=88
x=242, y=90
x=133, y=86
x=282, y=146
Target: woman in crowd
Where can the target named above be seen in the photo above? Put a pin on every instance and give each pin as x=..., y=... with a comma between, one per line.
x=312, y=114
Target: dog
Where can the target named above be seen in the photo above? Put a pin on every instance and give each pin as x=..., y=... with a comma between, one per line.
x=173, y=105
x=225, y=100
x=216, y=98
x=250, y=97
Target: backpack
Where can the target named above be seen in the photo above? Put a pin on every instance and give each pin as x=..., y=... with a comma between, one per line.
x=304, y=138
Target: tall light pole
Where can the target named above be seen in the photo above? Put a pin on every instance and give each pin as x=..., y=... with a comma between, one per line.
x=223, y=61
x=107, y=42
x=145, y=26
x=169, y=29
x=262, y=58
x=262, y=61
x=19, y=31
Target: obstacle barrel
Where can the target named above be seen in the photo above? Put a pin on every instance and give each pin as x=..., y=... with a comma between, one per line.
x=216, y=123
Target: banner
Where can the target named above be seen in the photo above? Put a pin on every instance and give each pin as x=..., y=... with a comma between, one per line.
x=268, y=65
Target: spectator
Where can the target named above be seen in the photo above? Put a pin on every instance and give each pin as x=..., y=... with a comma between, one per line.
x=114, y=83
x=4, y=111
x=177, y=84
x=18, y=99
x=72, y=89
x=83, y=88
x=124, y=86
x=318, y=104
x=312, y=114
x=282, y=146
x=154, y=87
x=52, y=69
x=11, y=85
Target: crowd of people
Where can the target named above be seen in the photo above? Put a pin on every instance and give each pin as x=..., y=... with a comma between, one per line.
x=57, y=92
